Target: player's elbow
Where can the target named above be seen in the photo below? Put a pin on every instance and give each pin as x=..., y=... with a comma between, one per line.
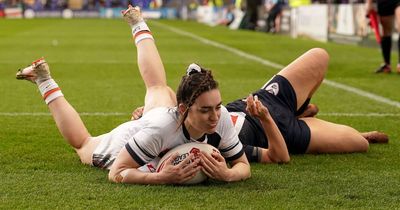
x=273, y=156
x=247, y=176
x=282, y=160
x=285, y=160
x=246, y=173
x=279, y=158
x=111, y=176
x=114, y=176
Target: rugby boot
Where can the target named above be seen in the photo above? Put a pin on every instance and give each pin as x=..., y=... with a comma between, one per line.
x=37, y=72
x=385, y=68
x=132, y=15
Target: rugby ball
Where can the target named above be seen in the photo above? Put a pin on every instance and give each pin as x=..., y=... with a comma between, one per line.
x=184, y=150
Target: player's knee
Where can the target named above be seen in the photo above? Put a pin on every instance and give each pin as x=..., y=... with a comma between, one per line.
x=321, y=59
x=318, y=50
x=86, y=149
x=322, y=55
x=84, y=156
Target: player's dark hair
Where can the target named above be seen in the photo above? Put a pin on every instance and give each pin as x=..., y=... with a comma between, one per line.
x=193, y=84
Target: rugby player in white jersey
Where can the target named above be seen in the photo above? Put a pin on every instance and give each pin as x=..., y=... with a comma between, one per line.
x=129, y=149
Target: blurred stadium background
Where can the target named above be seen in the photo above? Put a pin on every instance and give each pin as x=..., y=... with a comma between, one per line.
x=325, y=20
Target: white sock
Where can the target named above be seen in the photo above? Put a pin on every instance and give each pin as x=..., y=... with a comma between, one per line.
x=141, y=31
x=50, y=90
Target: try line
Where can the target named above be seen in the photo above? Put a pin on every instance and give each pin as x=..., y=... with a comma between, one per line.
x=268, y=63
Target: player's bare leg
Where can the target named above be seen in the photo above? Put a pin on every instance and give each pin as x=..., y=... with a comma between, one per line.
x=306, y=73
x=327, y=137
x=67, y=119
x=151, y=68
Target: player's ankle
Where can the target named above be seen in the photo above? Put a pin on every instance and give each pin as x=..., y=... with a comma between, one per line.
x=49, y=90
x=141, y=31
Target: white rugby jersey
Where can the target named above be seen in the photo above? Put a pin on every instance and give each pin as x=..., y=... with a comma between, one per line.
x=148, y=138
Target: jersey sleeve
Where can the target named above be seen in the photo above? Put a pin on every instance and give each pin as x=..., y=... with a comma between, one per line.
x=230, y=146
x=145, y=145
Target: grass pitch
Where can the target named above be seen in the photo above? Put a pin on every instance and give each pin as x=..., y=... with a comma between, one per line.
x=94, y=62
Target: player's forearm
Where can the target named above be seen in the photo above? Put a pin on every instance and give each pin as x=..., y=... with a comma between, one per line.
x=134, y=176
x=240, y=170
x=125, y=170
x=277, y=149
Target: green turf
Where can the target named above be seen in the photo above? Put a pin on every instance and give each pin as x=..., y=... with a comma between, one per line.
x=94, y=63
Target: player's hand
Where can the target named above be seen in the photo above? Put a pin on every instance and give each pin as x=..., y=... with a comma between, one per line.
x=137, y=113
x=214, y=166
x=256, y=108
x=182, y=172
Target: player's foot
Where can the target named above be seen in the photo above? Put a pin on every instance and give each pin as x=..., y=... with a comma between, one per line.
x=37, y=72
x=132, y=15
x=310, y=111
x=376, y=137
x=385, y=68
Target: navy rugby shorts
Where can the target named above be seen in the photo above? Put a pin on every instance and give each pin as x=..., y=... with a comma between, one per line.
x=279, y=97
x=387, y=7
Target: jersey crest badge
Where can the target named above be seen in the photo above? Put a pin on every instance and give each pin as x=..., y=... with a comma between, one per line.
x=273, y=88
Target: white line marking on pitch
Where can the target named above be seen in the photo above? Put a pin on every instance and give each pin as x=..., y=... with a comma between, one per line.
x=268, y=63
x=106, y=114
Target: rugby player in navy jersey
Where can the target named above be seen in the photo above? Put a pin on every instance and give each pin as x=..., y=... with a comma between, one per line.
x=284, y=100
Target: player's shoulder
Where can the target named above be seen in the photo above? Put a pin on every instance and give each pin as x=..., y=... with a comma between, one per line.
x=225, y=116
x=225, y=121
x=224, y=110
